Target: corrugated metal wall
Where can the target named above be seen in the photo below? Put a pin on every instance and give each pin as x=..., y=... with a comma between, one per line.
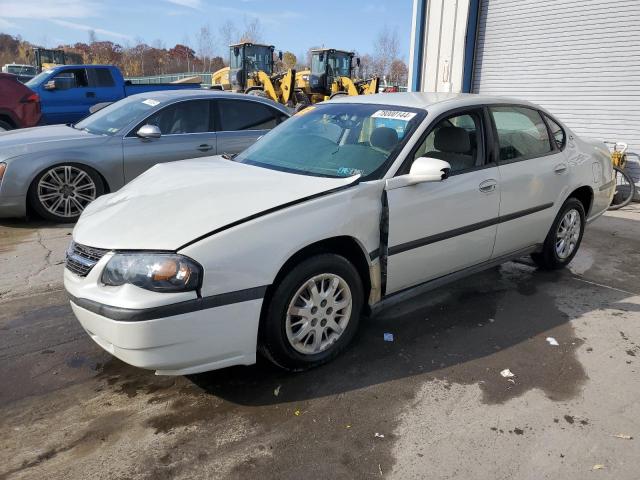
x=578, y=58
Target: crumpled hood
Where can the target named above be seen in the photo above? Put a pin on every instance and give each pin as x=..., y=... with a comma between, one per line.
x=174, y=203
x=32, y=140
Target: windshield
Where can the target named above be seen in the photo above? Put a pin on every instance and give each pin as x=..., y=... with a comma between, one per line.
x=33, y=83
x=340, y=65
x=21, y=69
x=258, y=58
x=113, y=118
x=336, y=140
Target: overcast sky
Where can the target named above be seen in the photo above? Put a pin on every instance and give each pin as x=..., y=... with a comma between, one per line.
x=291, y=25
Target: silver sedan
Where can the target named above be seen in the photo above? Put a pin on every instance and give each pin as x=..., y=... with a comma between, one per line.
x=58, y=170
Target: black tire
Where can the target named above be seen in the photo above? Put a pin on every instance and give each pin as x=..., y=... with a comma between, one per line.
x=4, y=126
x=625, y=189
x=338, y=94
x=274, y=343
x=41, y=209
x=548, y=258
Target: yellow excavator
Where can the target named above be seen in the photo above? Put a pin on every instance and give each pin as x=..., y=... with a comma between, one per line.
x=251, y=70
x=331, y=74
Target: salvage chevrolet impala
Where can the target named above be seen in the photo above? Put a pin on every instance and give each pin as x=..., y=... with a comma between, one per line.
x=349, y=206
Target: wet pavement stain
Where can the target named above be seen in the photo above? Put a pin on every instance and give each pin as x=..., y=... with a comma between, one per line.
x=465, y=334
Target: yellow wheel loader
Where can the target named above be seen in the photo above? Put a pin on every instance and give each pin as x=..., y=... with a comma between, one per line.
x=250, y=71
x=331, y=74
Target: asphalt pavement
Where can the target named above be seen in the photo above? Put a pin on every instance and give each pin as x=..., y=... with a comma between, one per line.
x=432, y=403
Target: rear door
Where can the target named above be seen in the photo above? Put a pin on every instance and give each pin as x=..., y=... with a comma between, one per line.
x=103, y=86
x=241, y=122
x=69, y=101
x=187, y=132
x=533, y=177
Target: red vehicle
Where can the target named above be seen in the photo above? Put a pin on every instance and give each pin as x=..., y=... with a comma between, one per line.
x=19, y=105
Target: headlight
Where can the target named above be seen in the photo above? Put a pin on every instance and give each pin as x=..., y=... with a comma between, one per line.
x=158, y=272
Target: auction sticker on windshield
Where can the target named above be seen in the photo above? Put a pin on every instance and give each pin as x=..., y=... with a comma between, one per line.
x=151, y=102
x=394, y=115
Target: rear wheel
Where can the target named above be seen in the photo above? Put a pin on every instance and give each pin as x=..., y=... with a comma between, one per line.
x=61, y=193
x=564, y=237
x=338, y=94
x=625, y=189
x=4, y=126
x=313, y=313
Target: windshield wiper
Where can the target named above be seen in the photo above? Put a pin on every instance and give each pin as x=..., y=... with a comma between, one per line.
x=229, y=156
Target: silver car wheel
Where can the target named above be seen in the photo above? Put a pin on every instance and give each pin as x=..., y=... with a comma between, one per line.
x=318, y=313
x=568, y=234
x=66, y=190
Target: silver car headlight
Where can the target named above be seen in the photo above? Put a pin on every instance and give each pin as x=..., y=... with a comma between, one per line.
x=158, y=272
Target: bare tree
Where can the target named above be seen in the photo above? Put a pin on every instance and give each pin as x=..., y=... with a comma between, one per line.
x=386, y=49
x=92, y=37
x=206, y=45
x=228, y=33
x=186, y=41
x=252, y=31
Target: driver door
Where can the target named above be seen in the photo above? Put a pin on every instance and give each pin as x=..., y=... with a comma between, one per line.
x=187, y=132
x=437, y=228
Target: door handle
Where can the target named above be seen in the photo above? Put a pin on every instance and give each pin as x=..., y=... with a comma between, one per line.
x=488, y=186
x=560, y=168
x=204, y=147
x=91, y=94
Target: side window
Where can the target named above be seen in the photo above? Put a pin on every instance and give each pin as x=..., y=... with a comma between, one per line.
x=246, y=115
x=183, y=117
x=71, y=79
x=457, y=140
x=557, y=132
x=521, y=133
x=101, y=77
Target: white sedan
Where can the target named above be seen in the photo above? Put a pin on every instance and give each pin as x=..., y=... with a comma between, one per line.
x=349, y=206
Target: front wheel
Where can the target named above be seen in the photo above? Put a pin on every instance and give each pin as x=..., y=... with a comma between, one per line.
x=313, y=313
x=625, y=189
x=4, y=126
x=564, y=237
x=62, y=192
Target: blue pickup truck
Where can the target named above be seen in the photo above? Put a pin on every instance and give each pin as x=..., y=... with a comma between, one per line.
x=67, y=92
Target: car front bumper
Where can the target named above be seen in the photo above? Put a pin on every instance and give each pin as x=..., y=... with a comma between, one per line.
x=13, y=206
x=174, y=334
x=180, y=344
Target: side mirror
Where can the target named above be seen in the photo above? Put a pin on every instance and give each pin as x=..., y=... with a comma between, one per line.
x=321, y=57
x=358, y=61
x=280, y=55
x=236, y=51
x=50, y=85
x=149, y=131
x=424, y=169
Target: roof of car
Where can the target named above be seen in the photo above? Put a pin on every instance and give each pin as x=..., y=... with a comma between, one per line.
x=426, y=99
x=187, y=93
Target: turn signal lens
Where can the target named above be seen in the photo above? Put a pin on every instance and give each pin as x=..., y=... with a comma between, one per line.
x=3, y=167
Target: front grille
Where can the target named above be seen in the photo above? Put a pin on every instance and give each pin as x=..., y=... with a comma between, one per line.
x=80, y=259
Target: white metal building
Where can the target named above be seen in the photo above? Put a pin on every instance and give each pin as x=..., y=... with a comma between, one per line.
x=578, y=58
